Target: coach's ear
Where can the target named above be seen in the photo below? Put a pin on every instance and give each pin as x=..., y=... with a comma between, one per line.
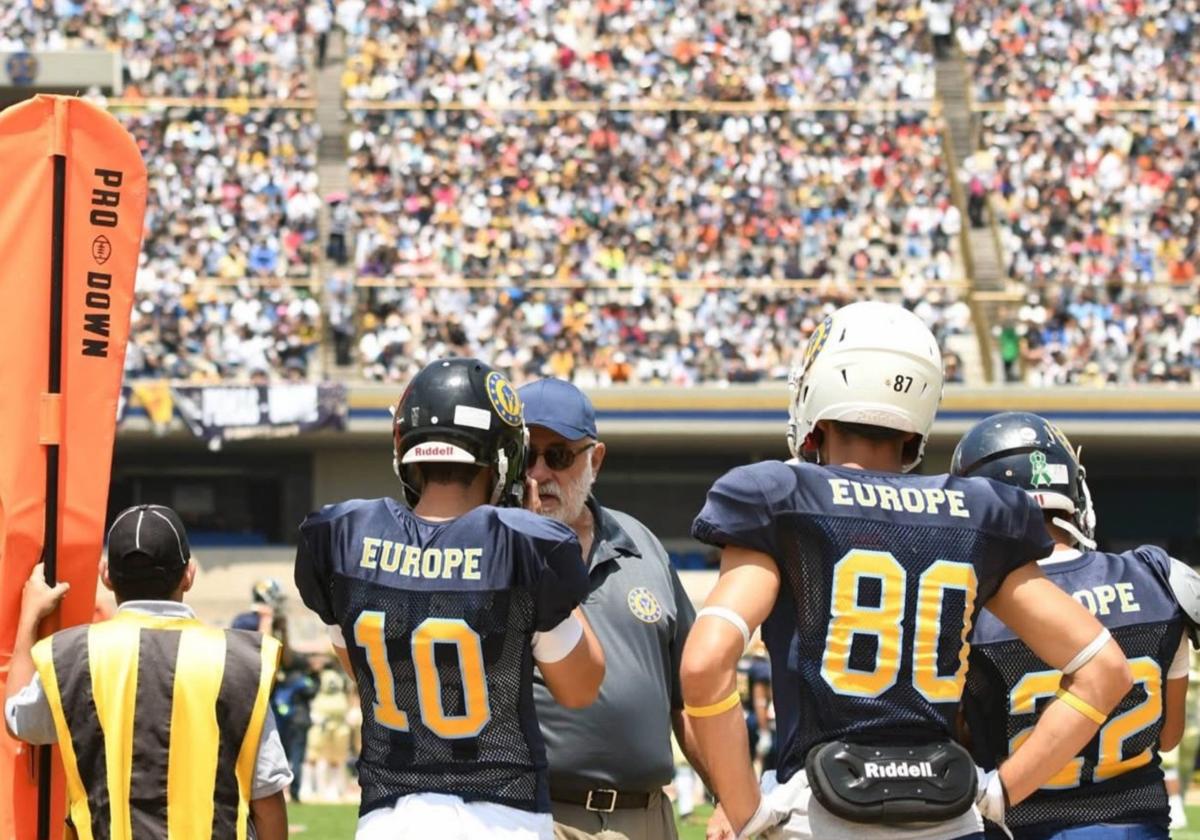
x=104, y=575
x=598, y=453
x=189, y=576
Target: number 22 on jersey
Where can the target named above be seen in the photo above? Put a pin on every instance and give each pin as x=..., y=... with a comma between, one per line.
x=1110, y=758
x=884, y=620
x=368, y=634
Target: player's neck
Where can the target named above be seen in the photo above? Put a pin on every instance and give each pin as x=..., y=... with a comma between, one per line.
x=448, y=501
x=1062, y=540
x=877, y=456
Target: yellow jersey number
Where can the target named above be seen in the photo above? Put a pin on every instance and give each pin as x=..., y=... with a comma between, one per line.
x=368, y=634
x=1032, y=687
x=885, y=621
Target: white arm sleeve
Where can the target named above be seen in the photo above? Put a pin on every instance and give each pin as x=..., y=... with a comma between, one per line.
x=336, y=635
x=1179, y=665
x=554, y=645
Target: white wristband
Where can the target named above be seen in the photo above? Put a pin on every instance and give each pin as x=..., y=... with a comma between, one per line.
x=1085, y=656
x=732, y=617
x=553, y=645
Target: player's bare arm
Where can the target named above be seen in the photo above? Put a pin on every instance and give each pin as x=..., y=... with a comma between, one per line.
x=269, y=816
x=1058, y=629
x=747, y=588
x=574, y=680
x=685, y=734
x=1174, y=714
x=38, y=600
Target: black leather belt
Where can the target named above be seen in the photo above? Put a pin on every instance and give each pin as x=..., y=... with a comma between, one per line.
x=604, y=800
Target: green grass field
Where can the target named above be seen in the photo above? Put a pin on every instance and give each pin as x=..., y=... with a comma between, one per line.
x=336, y=822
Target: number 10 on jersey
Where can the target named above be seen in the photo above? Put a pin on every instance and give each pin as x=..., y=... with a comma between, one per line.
x=884, y=621
x=368, y=634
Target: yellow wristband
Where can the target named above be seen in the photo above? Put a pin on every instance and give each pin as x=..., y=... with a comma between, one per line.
x=1082, y=706
x=725, y=705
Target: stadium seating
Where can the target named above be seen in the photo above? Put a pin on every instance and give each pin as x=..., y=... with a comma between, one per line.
x=686, y=334
x=622, y=50
x=216, y=48
x=1088, y=156
x=232, y=199
x=585, y=196
x=1054, y=50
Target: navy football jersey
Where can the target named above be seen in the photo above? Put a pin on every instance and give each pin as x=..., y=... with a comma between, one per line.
x=1116, y=778
x=438, y=619
x=884, y=574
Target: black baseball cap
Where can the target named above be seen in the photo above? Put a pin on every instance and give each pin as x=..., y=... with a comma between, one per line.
x=147, y=541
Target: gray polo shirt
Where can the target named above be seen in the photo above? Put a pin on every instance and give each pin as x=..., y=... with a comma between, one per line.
x=641, y=615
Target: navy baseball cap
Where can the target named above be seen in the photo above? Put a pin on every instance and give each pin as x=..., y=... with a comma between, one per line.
x=559, y=406
x=146, y=541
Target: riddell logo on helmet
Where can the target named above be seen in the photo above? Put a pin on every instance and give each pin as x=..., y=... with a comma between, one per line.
x=434, y=450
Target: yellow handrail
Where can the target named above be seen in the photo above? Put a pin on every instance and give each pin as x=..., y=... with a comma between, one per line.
x=1019, y=108
x=708, y=106
x=237, y=105
x=764, y=283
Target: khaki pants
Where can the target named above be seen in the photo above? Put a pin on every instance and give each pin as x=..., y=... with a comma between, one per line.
x=655, y=822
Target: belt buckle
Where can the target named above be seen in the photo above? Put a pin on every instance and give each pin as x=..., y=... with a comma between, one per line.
x=612, y=802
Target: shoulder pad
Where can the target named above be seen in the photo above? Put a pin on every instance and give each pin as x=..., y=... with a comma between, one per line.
x=1185, y=586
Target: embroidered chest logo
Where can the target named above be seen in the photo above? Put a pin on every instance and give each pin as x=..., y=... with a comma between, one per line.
x=644, y=605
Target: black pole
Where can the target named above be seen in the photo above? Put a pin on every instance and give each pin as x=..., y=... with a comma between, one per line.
x=50, y=533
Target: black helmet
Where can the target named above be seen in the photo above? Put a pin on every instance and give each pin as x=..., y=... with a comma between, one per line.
x=1027, y=451
x=461, y=411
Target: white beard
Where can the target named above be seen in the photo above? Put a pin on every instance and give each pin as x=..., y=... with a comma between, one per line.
x=572, y=496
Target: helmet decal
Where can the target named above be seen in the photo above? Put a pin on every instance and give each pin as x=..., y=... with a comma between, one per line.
x=1039, y=475
x=816, y=342
x=504, y=398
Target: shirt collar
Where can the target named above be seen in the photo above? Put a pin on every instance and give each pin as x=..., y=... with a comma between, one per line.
x=1061, y=555
x=611, y=540
x=164, y=609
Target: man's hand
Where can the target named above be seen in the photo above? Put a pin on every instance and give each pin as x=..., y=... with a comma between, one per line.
x=39, y=599
x=989, y=796
x=719, y=827
x=533, y=502
x=765, y=817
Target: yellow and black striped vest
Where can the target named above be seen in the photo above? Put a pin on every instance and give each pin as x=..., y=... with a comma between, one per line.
x=158, y=720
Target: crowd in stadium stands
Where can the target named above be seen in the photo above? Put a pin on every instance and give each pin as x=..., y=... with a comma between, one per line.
x=597, y=336
x=1043, y=50
x=1097, y=215
x=623, y=50
x=214, y=48
x=231, y=218
x=230, y=196
x=1146, y=337
x=207, y=333
x=588, y=196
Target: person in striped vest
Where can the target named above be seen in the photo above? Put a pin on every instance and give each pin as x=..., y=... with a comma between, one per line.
x=162, y=721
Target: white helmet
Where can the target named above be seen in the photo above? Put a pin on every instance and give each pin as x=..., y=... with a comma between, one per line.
x=871, y=363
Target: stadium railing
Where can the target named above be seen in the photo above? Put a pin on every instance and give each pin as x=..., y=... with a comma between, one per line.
x=715, y=106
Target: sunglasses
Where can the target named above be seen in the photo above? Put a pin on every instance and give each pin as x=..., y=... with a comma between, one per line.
x=558, y=457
